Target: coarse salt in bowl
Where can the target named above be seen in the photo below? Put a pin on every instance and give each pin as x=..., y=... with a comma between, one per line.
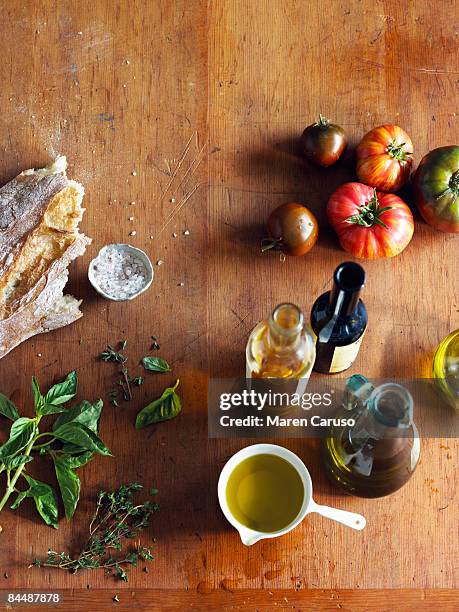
x=120, y=272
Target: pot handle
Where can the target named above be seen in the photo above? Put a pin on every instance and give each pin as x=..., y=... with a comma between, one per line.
x=350, y=519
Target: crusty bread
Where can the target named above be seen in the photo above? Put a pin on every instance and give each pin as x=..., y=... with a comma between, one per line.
x=39, y=215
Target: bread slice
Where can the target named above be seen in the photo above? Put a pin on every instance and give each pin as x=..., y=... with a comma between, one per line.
x=39, y=215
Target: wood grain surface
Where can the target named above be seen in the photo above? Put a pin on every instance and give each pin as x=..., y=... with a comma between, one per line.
x=304, y=600
x=185, y=115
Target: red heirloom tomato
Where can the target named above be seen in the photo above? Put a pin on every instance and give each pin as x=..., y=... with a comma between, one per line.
x=384, y=158
x=370, y=224
x=293, y=229
x=436, y=188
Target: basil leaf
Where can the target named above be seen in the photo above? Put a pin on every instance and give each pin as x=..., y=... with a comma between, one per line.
x=164, y=408
x=11, y=463
x=51, y=409
x=69, y=483
x=76, y=461
x=73, y=461
x=22, y=432
x=45, y=500
x=37, y=396
x=62, y=392
x=72, y=449
x=155, y=364
x=82, y=436
x=19, y=499
x=85, y=413
x=7, y=408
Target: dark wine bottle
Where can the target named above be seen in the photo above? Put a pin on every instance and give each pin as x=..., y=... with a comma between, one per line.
x=339, y=319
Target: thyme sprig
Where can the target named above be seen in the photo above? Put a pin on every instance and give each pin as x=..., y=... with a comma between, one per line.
x=116, y=356
x=115, y=519
x=125, y=382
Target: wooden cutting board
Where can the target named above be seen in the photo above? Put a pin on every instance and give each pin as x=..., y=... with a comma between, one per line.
x=185, y=116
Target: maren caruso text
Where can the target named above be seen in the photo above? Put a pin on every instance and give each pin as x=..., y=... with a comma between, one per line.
x=278, y=421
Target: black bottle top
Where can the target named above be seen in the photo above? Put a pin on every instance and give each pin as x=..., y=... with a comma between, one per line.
x=348, y=281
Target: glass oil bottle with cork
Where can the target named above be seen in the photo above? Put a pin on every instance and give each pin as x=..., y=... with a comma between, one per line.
x=378, y=449
x=281, y=347
x=446, y=368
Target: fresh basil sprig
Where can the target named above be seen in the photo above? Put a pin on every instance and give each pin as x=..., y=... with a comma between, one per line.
x=166, y=407
x=71, y=443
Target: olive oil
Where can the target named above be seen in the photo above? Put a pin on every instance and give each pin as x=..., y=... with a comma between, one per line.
x=446, y=368
x=265, y=493
x=391, y=466
x=379, y=452
x=281, y=347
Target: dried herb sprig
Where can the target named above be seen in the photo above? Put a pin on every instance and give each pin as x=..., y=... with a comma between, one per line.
x=115, y=519
x=116, y=356
x=155, y=346
x=111, y=354
x=126, y=382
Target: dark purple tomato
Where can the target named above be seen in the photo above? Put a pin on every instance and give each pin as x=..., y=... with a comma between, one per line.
x=293, y=229
x=323, y=142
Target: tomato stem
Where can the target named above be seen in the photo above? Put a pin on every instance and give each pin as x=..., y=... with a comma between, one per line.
x=454, y=183
x=323, y=121
x=268, y=244
x=397, y=151
x=453, y=186
x=369, y=213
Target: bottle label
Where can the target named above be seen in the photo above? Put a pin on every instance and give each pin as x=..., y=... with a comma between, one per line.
x=344, y=356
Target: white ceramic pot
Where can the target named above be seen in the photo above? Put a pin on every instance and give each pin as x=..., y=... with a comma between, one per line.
x=249, y=536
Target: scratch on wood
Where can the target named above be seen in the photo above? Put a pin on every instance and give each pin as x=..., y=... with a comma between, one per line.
x=189, y=173
x=376, y=37
x=238, y=316
x=274, y=89
x=230, y=188
x=179, y=163
x=187, y=346
x=193, y=166
x=97, y=39
x=411, y=68
x=178, y=208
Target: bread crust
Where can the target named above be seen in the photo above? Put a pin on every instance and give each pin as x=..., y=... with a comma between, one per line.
x=39, y=215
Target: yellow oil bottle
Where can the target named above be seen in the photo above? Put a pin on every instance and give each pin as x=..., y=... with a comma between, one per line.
x=446, y=368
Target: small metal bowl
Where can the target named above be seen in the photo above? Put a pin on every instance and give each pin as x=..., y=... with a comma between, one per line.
x=126, y=248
